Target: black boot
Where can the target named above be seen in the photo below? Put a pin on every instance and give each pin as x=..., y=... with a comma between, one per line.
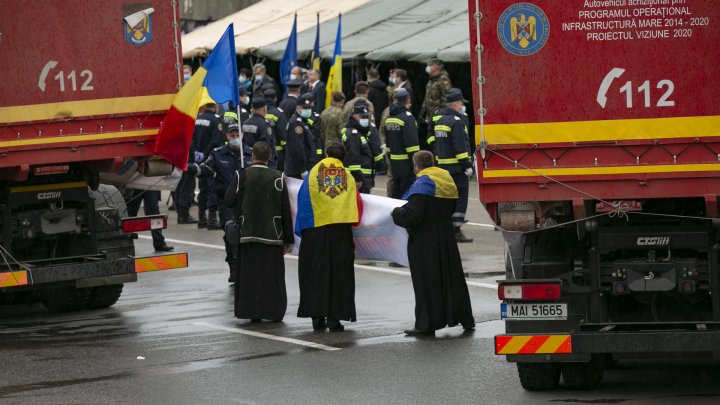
x=460, y=237
x=184, y=216
x=202, y=219
x=212, y=221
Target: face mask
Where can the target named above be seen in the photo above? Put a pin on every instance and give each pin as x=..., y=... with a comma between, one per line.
x=293, y=77
x=242, y=79
x=364, y=122
x=186, y=76
x=462, y=110
x=428, y=69
x=235, y=143
x=305, y=113
x=392, y=80
x=258, y=78
x=246, y=100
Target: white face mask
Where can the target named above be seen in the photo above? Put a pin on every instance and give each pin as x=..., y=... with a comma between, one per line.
x=186, y=76
x=463, y=109
x=242, y=79
x=293, y=77
x=258, y=78
x=245, y=100
x=428, y=69
x=364, y=122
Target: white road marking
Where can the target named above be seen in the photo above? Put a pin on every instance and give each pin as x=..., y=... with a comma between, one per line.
x=294, y=257
x=266, y=336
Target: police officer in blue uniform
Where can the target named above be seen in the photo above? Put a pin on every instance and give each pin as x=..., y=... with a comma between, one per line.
x=257, y=129
x=401, y=135
x=315, y=124
x=219, y=168
x=290, y=102
x=301, y=148
x=452, y=151
x=275, y=117
x=362, y=142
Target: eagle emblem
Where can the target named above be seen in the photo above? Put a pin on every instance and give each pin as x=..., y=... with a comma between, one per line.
x=523, y=30
x=332, y=180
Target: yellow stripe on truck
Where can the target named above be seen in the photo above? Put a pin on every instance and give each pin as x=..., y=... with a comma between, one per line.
x=603, y=130
x=77, y=138
x=84, y=108
x=165, y=262
x=13, y=279
x=597, y=171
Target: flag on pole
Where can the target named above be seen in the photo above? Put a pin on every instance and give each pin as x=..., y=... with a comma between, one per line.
x=334, y=82
x=290, y=58
x=214, y=82
x=316, y=49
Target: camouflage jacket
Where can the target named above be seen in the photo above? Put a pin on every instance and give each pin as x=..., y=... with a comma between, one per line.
x=331, y=123
x=435, y=92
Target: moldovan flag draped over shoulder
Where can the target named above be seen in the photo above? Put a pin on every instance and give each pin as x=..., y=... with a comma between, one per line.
x=334, y=82
x=214, y=82
x=316, y=49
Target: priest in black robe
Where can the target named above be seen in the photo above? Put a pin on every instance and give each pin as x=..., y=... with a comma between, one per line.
x=441, y=293
x=262, y=208
x=328, y=206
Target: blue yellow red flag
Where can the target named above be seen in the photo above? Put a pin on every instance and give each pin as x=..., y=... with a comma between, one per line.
x=316, y=49
x=290, y=58
x=435, y=182
x=214, y=82
x=327, y=196
x=334, y=82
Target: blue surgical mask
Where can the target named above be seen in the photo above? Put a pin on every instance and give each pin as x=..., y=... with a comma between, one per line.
x=242, y=79
x=392, y=81
x=186, y=76
x=235, y=143
x=462, y=110
x=293, y=77
x=305, y=113
x=364, y=122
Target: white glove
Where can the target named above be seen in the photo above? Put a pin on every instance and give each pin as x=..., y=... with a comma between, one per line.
x=304, y=174
x=469, y=172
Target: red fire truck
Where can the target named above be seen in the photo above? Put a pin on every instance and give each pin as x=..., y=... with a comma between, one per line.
x=85, y=87
x=599, y=157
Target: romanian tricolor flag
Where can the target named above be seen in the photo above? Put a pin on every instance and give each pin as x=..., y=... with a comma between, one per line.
x=327, y=196
x=435, y=182
x=214, y=82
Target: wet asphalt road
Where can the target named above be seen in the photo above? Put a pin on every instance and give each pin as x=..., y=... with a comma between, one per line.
x=172, y=339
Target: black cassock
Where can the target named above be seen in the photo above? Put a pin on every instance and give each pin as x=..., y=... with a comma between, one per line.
x=441, y=294
x=260, y=291
x=326, y=273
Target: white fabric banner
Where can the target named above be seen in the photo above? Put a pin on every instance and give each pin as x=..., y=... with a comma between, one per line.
x=376, y=237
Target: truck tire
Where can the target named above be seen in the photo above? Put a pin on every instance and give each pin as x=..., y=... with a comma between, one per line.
x=539, y=376
x=105, y=296
x=584, y=376
x=65, y=299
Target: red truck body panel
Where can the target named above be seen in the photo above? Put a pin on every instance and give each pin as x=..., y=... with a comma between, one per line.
x=95, y=90
x=612, y=99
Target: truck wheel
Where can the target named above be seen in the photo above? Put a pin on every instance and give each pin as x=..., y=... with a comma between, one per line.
x=105, y=296
x=584, y=376
x=65, y=299
x=539, y=376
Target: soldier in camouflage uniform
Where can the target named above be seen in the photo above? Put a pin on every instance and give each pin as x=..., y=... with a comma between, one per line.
x=331, y=119
x=437, y=87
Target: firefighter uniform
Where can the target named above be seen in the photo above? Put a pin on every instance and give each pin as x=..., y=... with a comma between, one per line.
x=401, y=137
x=300, y=149
x=275, y=117
x=452, y=153
x=257, y=129
x=363, y=148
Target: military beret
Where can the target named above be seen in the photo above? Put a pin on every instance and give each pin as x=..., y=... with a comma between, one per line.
x=259, y=102
x=435, y=61
x=233, y=127
x=401, y=95
x=454, y=95
x=360, y=108
x=306, y=100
